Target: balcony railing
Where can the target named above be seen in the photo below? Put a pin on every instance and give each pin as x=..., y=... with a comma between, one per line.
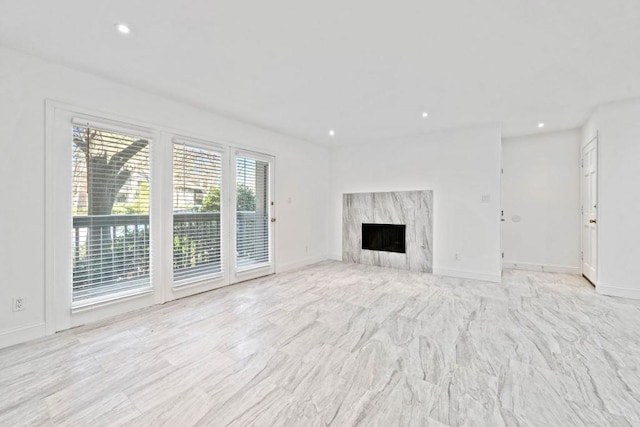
x=111, y=253
x=196, y=245
x=252, y=240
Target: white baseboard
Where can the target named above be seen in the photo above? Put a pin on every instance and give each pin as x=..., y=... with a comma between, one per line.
x=515, y=265
x=22, y=334
x=300, y=263
x=464, y=274
x=615, y=291
x=336, y=257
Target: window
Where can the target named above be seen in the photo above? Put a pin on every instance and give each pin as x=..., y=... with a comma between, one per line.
x=197, y=182
x=137, y=215
x=110, y=206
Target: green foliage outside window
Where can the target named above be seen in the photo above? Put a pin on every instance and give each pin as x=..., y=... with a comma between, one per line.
x=246, y=199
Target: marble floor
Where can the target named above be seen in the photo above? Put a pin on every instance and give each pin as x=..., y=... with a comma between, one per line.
x=343, y=344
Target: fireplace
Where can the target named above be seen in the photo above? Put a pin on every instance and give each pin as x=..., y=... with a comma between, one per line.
x=384, y=237
x=392, y=229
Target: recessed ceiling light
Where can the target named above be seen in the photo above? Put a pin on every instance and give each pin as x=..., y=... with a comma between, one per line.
x=123, y=28
x=540, y=125
x=332, y=132
x=425, y=114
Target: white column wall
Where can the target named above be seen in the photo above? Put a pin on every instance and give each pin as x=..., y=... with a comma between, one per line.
x=26, y=82
x=541, y=202
x=617, y=125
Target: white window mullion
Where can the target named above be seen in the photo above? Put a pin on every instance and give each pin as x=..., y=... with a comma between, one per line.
x=160, y=216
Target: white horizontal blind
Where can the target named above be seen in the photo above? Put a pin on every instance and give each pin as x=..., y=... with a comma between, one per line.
x=197, y=245
x=110, y=196
x=252, y=213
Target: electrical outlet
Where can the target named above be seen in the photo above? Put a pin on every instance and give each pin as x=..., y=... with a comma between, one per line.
x=456, y=257
x=18, y=304
x=306, y=248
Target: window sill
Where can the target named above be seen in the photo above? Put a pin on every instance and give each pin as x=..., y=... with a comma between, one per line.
x=91, y=304
x=196, y=282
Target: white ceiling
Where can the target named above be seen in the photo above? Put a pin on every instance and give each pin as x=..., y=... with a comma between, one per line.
x=366, y=68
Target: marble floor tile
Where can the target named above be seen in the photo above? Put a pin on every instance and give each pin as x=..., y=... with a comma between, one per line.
x=112, y=410
x=185, y=409
x=343, y=344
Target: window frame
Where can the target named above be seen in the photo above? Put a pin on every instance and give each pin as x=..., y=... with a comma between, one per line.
x=59, y=314
x=180, y=288
x=128, y=131
x=60, y=311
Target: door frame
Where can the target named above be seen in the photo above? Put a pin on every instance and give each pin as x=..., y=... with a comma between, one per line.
x=252, y=273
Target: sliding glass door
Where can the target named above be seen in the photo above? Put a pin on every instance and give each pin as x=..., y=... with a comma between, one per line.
x=252, y=209
x=197, y=202
x=139, y=216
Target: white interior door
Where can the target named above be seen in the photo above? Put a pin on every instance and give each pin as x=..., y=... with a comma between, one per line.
x=252, y=213
x=589, y=210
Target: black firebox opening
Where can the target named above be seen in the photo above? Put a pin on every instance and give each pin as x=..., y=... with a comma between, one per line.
x=384, y=237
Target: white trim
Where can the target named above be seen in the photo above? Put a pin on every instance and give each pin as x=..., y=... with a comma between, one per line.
x=160, y=127
x=196, y=143
x=335, y=256
x=301, y=263
x=615, y=291
x=22, y=334
x=112, y=125
x=196, y=282
x=198, y=288
x=110, y=300
x=161, y=209
x=49, y=307
x=465, y=274
x=255, y=155
x=265, y=269
x=254, y=268
x=584, y=144
x=516, y=265
x=58, y=205
x=225, y=217
x=111, y=309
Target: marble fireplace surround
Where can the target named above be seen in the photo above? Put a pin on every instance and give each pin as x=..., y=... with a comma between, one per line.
x=411, y=208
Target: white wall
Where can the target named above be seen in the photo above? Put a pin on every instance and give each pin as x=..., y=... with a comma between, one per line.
x=541, y=186
x=461, y=166
x=26, y=82
x=618, y=128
